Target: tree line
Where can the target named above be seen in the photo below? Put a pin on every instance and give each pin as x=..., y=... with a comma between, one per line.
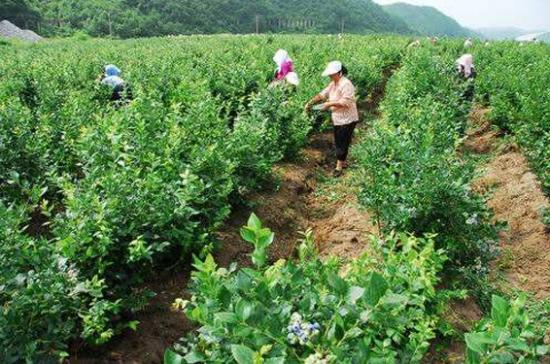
x=143, y=18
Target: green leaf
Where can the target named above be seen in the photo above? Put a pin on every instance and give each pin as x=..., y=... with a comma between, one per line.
x=542, y=350
x=354, y=333
x=354, y=294
x=133, y=325
x=171, y=357
x=226, y=317
x=254, y=222
x=339, y=285
x=477, y=341
x=242, y=354
x=277, y=360
x=518, y=345
x=394, y=299
x=244, y=309
x=194, y=357
x=248, y=235
x=500, y=311
x=266, y=238
x=376, y=288
x=331, y=334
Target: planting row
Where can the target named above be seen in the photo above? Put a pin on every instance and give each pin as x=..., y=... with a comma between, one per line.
x=96, y=197
x=382, y=308
x=514, y=82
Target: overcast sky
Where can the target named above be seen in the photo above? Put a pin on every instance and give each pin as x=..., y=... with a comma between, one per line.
x=525, y=14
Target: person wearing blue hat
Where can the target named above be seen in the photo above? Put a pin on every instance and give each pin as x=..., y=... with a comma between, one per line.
x=111, y=77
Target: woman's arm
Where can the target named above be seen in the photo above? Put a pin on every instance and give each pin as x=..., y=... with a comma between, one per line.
x=317, y=98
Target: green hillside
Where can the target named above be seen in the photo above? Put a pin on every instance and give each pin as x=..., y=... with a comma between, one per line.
x=138, y=18
x=427, y=20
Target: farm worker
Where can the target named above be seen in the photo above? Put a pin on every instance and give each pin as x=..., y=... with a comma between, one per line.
x=465, y=66
x=111, y=77
x=468, y=43
x=285, y=69
x=414, y=44
x=340, y=100
x=467, y=72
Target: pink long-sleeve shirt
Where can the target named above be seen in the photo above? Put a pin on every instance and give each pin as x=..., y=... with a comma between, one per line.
x=284, y=70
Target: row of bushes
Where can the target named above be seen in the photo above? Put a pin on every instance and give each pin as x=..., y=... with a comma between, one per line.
x=116, y=193
x=411, y=175
x=514, y=82
x=383, y=307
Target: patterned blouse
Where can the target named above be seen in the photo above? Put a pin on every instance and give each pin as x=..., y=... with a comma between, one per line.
x=342, y=92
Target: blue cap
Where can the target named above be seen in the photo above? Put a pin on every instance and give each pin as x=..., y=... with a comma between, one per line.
x=112, y=70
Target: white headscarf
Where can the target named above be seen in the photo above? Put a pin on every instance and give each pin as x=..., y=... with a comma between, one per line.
x=280, y=57
x=466, y=61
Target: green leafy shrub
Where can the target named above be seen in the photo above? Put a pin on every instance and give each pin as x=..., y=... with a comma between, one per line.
x=506, y=337
x=41, y=295
x=514, y=81
x=125, y=191
x=380, y=309
x=411, y=175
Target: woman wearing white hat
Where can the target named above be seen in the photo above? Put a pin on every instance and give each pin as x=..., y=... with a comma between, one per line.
x=467, y=72
x=340, y=99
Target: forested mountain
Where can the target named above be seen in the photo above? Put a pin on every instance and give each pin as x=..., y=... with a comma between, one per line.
x=133, y=18
x=428, y=20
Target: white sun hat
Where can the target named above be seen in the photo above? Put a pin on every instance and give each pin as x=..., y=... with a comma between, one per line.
x=292, y=78
x=333, y=68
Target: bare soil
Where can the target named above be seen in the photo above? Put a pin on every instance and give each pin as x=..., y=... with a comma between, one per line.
x=516, y=198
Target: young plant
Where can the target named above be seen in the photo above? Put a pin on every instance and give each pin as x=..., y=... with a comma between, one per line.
x=381, y=310
x=260, y=237
x=507, y=336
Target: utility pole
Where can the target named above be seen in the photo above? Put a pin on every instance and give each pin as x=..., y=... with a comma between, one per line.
x=343, y=22
x=110, y=24
x=257, y=24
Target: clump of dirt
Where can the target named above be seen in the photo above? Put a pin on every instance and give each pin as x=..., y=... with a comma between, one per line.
x=516, y=198
x=481, y=136
x=463, y=315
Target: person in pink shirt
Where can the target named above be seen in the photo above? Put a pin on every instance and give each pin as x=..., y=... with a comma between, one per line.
x=285, y=69
x=339, y=97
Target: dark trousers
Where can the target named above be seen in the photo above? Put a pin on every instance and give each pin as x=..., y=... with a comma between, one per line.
x=343, y=135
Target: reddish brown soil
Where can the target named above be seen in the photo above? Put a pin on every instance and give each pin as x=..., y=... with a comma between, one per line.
x=516, y=198
x=482, y=137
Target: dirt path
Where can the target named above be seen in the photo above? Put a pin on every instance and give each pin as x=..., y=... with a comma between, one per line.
x=516, y=198
x=305, y=197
